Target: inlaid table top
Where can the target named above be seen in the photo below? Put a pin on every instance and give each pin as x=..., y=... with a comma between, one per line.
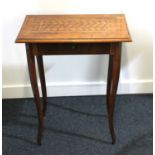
x=74, y=28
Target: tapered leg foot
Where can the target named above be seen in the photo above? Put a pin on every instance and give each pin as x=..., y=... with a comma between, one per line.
x=113, y=77
x=39, y=136
x=113, y=141
x=33, y=79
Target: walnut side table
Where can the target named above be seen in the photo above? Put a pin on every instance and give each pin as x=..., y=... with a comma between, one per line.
x=73, y=35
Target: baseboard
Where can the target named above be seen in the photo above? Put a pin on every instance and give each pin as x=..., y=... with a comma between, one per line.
x=78, y=89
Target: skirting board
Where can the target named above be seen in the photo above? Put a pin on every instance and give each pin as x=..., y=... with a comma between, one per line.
x=78, y=89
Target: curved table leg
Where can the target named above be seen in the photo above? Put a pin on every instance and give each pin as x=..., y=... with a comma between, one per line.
x=113, y=77
x=33, y=79
x=42, y=80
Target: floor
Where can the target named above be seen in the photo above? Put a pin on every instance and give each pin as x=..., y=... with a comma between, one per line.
x=79, y=126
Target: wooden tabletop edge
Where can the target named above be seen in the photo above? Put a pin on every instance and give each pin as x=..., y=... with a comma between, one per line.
x=127, y=29
x=59, y=40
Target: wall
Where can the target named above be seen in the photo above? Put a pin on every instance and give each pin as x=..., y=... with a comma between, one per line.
x=78, y=75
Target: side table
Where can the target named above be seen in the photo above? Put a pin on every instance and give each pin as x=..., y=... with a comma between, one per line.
x=73, y=35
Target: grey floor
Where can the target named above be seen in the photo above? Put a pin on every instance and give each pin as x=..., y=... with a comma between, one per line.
x=79, y=126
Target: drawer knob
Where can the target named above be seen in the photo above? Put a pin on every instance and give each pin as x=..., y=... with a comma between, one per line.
x=73, y=46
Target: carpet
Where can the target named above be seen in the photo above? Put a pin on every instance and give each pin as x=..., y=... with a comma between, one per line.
x=79, y=126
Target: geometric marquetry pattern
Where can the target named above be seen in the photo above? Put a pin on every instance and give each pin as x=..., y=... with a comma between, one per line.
x=69, y=25
x=74, y=28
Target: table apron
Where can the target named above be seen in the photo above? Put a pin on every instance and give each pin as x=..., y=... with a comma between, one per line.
x=71, y=48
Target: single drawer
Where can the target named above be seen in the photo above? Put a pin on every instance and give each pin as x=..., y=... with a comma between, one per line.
x=72, y=48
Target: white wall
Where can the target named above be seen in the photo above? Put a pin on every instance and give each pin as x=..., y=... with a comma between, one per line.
x=78, y=75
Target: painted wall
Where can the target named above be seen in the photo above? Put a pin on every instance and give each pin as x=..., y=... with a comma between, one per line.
x=78, y=75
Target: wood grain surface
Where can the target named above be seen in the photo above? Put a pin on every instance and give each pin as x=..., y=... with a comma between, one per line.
x=74, y=28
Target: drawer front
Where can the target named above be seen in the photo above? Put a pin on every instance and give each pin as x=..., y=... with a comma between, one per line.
x=72, y=48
